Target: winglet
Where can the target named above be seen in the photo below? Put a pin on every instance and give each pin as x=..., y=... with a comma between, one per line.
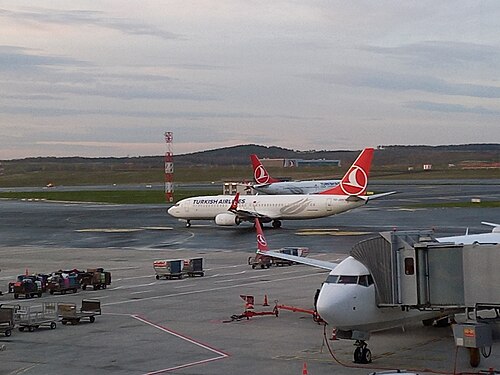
x=355, y=181
x=260, y=174
x=261, y=240
x=234, y=203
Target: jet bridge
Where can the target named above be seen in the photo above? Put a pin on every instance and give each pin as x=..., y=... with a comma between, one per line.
x=412, y=270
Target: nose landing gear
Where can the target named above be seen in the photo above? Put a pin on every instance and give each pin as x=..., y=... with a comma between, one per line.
x=362, y=354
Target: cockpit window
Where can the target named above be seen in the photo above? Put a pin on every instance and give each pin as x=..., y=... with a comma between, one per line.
x=332, y=279
x=348, y=280
x=364, y=280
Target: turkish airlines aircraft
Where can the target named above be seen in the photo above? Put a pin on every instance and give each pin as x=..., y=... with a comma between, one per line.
x=349, y=194
x=347, y=300
x=492, y=237
x=264, y=183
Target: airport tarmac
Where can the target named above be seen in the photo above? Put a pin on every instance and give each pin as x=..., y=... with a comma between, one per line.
x=153, y=326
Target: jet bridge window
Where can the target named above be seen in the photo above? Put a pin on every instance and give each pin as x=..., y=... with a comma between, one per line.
x=409, y=266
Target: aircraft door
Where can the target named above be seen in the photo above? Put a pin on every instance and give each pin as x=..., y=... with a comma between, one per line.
x=329, y=204
x=187, y=206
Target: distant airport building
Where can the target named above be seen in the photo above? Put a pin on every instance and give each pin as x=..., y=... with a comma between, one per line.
x=292, y=163
x=231, y=188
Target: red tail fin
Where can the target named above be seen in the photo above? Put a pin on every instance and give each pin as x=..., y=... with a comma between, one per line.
x=234, y=203
x=260, y=174
x=261, y=240
x=355, y=180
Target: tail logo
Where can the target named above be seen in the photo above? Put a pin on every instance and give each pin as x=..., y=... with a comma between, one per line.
x=260, y=175
x=356, y=181
x=261, y=240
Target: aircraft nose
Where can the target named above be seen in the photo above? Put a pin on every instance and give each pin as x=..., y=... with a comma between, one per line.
x=172, y=211
x=325, y=306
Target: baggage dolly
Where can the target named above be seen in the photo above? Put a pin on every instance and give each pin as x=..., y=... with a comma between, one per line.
x=70, y=314
x=7, y=319
x=33, y=317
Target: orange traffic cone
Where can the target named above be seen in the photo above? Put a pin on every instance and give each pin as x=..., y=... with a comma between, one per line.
x=304, y=369
x=334, y=334
x=265, y=300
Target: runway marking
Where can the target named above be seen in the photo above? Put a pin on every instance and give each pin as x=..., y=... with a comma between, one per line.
x=157, y=228
x=211, y=289
x=109, y=230
x=219, y=354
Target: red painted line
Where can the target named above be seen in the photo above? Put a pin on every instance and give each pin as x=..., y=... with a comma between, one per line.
x=220, y=354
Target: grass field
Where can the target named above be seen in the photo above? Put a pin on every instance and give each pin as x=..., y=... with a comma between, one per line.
x=107, y=196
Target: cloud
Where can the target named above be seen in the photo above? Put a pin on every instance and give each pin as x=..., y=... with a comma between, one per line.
x=87, y=18
x=392, y=81
x=451, y=108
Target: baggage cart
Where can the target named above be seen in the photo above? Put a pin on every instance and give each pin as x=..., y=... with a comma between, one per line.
x=33, y=317
x=62, y=283
x=194, y=267
x=96, y=277
x=69, y=313
x=296, y=251
x=168, y=269
x=7, y=323
x=27, y=286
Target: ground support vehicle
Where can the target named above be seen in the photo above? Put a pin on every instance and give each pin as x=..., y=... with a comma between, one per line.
x=27, y=286
x=7, y=319
x=69, y=313
x=97, y=277
x=168, y=269
x=194, y=267
x=33, y=317
x=296, y=251
x=62, y=283
x=261, y=261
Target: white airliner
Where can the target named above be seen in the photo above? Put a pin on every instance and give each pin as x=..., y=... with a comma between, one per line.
x=347, y=300
x=349, y=194
x=492, y=237
x=264, y=183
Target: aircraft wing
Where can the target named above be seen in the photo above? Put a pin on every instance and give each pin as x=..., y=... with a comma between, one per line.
x=302, y=260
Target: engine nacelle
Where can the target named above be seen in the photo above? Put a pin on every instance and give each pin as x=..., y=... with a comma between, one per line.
x=227, y=219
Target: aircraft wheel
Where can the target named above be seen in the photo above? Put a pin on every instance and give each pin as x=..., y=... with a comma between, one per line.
x=188, y=224
x=357, y=355
x=276, y=224
x=366, y=355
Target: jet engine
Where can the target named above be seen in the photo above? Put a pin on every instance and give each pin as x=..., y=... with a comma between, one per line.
x=227, y=219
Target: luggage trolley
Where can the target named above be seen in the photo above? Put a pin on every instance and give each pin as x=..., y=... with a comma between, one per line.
x=33, y=317
x=7, y=319
x=70, y=314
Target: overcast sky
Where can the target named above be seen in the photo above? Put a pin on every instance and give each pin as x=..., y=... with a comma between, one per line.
x=108, y=78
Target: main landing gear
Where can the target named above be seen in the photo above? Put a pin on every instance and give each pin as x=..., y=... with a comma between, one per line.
x=362, y=354
x=276, y=224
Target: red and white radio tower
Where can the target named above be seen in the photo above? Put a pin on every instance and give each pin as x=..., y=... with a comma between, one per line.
x=169, y=168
